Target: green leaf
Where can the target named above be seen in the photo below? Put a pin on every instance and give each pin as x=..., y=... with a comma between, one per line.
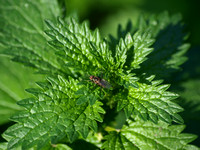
x=115, y=141
x=147, y=135
x=51, y=115
x=12, y=85
x=169, y=47
x=22, y=25
x=151, y=102
x=120, y=54
x=95, y=138
x=61, y=147
x=62, y=108
x=82, y=100
x=78, y=46
x=130, y=53
x=3, y=145
x=142, y=42
x=86, y=93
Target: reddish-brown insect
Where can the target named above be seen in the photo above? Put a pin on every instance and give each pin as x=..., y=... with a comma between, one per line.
x=101, y=82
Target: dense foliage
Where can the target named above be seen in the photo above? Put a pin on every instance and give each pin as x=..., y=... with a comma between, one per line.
x=136, y=110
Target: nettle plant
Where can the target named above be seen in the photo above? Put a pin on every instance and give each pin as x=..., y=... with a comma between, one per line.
x=101, y=93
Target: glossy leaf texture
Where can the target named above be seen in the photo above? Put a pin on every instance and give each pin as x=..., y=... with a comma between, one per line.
x=79, y=46
x=22, y=34
x=51, y=115
x=67, y=104
x=147, y=135
x=151, y=102
x=131, y=52
x=83, y=49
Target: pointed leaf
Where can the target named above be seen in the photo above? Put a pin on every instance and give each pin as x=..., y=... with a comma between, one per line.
x=151, y=102
x=146, y=135
x=52, y=115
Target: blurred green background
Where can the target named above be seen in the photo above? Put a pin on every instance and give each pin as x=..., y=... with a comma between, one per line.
x=107, y=15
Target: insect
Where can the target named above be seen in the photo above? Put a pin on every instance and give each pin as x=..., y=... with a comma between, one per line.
x=101, y=82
